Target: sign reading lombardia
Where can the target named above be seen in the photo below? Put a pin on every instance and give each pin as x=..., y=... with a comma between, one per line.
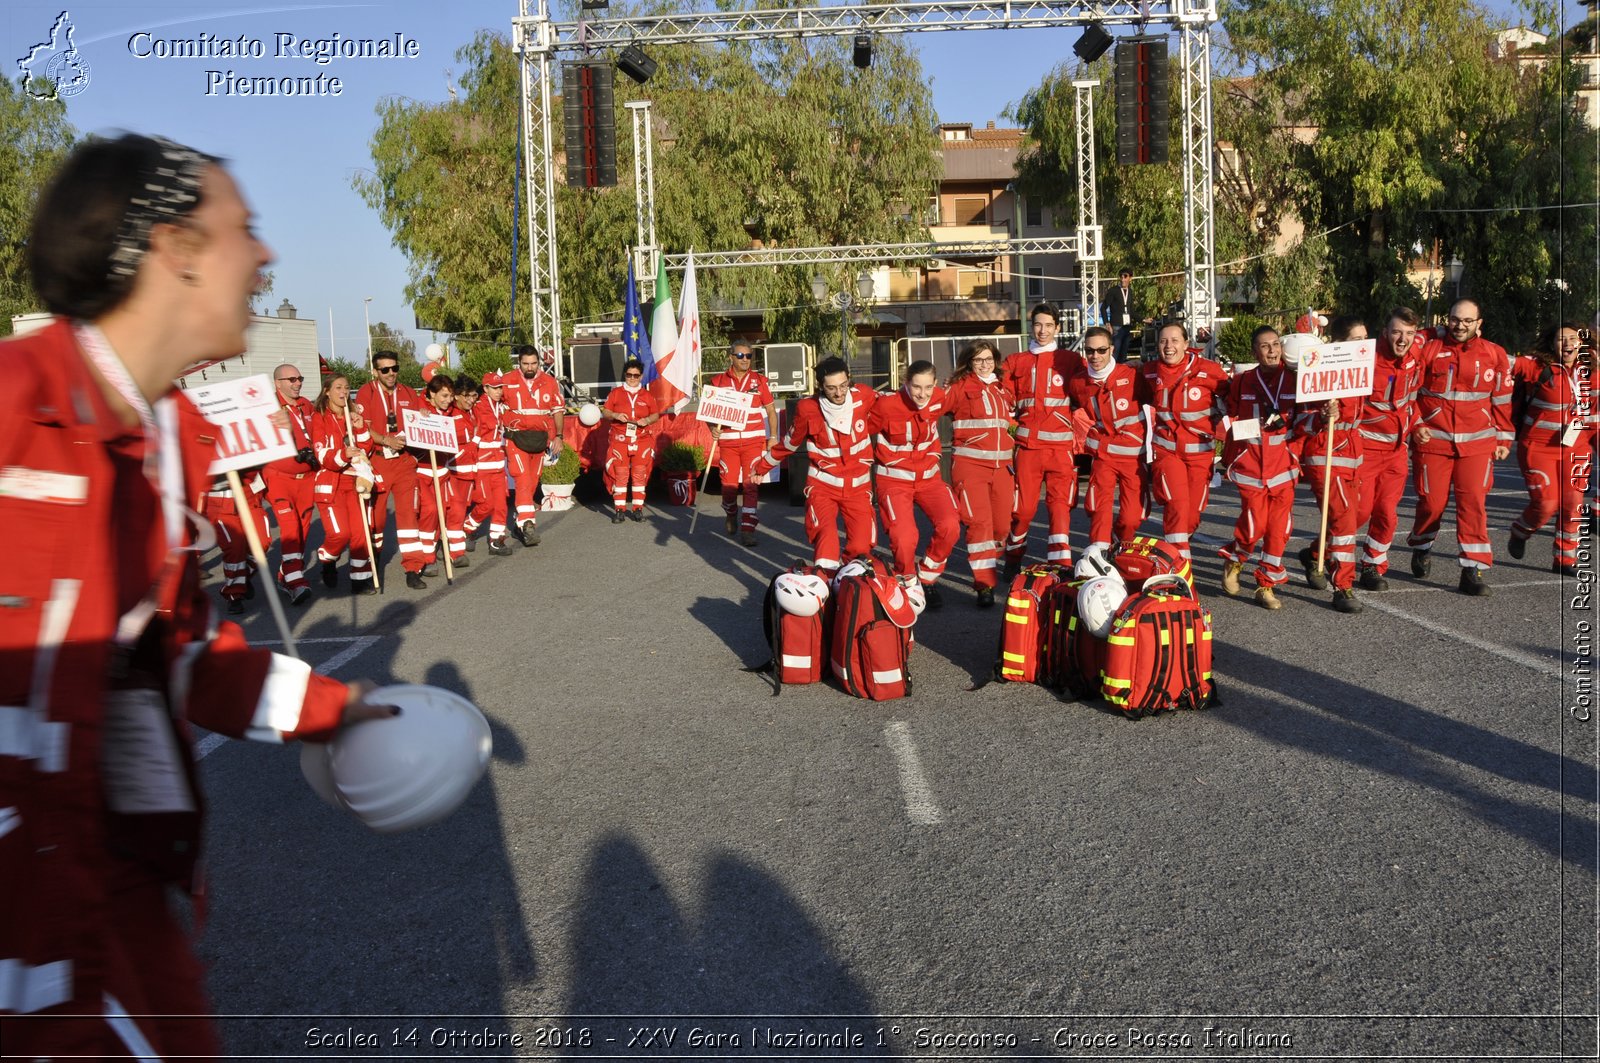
x=318, y=51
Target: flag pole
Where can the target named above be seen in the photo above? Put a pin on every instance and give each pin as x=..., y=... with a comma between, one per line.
x=444, y=526
x=711, y=459
x=252, y=536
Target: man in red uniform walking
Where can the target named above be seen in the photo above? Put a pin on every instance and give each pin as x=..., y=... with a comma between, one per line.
x=738, y=448
x=289, y=485
x=531, y=403
x=384, y=401
x=905, y=441
x=1185, y=392
x=832, y=426
x=1107, y=392
x=1385, y=423
x=1046, y=439
x=1463, y=427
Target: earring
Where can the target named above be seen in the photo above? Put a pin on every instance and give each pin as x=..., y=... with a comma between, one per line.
x=188, y=276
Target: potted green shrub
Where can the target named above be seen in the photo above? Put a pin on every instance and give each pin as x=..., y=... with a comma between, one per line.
x=558, y=478
x=681, y=465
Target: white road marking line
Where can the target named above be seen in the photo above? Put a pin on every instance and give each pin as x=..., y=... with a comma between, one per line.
x=1527, y=660
x=311, y=642
x=358, y=645
x=1497, y=586
x=920, y=806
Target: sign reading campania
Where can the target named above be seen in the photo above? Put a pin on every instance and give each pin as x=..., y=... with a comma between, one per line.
x=1335, y=370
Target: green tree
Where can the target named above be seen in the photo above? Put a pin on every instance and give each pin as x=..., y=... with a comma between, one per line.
x=385, y=338
x=781, y=141
x=34, y=139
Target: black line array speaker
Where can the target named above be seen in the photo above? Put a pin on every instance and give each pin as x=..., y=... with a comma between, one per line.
x=1144, y=109
x=590, y=123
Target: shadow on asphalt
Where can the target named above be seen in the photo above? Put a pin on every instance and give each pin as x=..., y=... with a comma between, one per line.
x=744, y=952
x=1365, y=728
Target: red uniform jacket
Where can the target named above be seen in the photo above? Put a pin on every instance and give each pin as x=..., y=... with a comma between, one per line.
x=638, y=406
x=531, y=405
x=1556, y=398
x=1186, y=400
x=300, y=413
x=1266, y=461
x=905, y=440
x=1389, y=413
x=755, y=427
x=59, y=493
x=1310, y=429
x=446, y=462
x=1464, y=396
x=980, y=418
x=490, y=435
x=378, y=406
x=1114, y=409
x=328, y=438
x=839, y=457
x=1039, y=382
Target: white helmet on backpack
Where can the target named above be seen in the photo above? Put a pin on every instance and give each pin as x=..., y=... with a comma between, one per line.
x=858, y=567
x=1094, y=562
x=407, y=771
x=1098, y=602
x=915, y=595
x=800, y=594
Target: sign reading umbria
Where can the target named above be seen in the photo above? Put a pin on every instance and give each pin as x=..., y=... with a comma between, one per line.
x=1335, y=370
x=431, y=431
x=242, y=412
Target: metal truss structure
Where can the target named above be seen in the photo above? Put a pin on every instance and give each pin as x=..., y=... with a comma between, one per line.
x=538, y=39
x=1088, y=205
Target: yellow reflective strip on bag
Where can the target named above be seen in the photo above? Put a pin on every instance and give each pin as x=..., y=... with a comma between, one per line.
x=1012, y=618
x=1020, y=658
x=1166, y=637
x=1017, y=603
x=1188, y=636
x=1118, y=684
x=1120, y=640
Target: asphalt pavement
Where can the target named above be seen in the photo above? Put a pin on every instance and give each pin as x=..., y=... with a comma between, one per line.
x=1382, y=843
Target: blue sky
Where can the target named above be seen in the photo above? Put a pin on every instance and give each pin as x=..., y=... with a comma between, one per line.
x=295, y=156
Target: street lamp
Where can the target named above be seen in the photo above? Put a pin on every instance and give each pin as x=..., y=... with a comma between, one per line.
x=366, y=312
x=846, y=302
x=1452, y=271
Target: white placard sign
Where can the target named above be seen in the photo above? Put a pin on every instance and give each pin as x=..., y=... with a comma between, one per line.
x=724, y=406
x=1335, y=370
x=431, y=431
x=242, y=412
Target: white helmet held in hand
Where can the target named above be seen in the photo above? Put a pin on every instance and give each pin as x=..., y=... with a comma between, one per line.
x=1098, y=602
x=588, y=415
x=802, y=595
x=410, y=770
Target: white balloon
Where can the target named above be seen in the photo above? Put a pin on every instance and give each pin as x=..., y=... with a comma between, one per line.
x=435, y=352
x=588, y=415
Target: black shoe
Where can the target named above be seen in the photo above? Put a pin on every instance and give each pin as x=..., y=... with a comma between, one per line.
x=499, y=548
x=934, y=596
x=330, y=574
x=530, y=533
x=461, y=562
x=472, y=545
x=1517, y=546
x=1372, y=580
x=1421, y=563
x=363, y=586
x=235, y=606
x=1315, y=576
x=1472, y=582
x=1346, y=602
x=250, y=587
x=636, y=515
x=617, y=517
x=300, y=595
x=415, y=581
x=985, y=597
x=1009, y=573
x=430, y=569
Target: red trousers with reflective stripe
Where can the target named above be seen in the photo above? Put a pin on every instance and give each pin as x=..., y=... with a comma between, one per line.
x=825, y=505
x=1182, y=484
x=1344, y=521
x=625, y=470
x=1115, y=479
x=1557, y=479
x=428, y=516
x=341, y=529
x=733, y=470
x=932, y=495
x=398, y=477
x=1053, y=469
x=1469, y=477
x=1266, y=516
x=1383, y=485
x=489, y=504
x=292, y=505
x=984, y=494
x=525, y=469
x=224, y=516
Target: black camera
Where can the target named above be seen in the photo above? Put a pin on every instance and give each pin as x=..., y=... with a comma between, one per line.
x=305, y=456
x=394, y=424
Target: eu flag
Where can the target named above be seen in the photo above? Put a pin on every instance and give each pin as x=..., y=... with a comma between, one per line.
x=635, y=340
